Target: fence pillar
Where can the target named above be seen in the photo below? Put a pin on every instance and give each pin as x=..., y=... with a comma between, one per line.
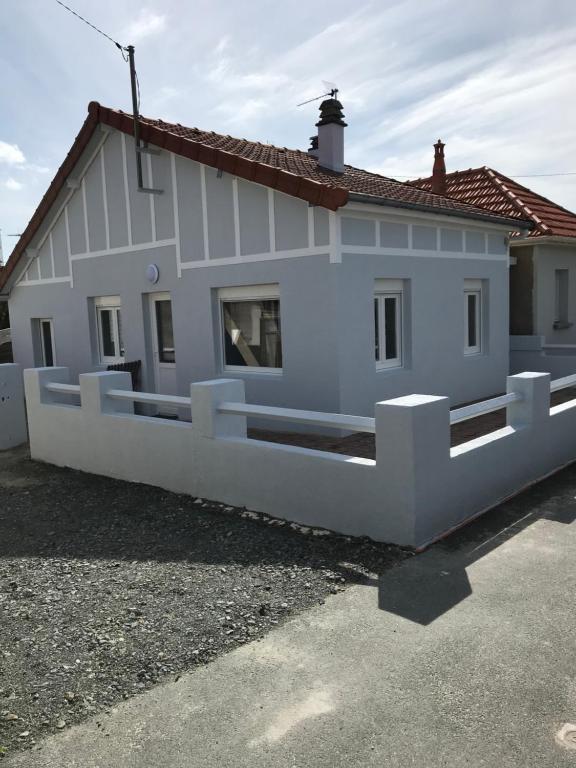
x=206, y=396
x=534, y=388
x=13, y=430
x=95, y=386
x=35, y=380
x=412, y=456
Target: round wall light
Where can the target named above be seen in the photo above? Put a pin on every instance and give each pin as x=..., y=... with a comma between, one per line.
x=152, y=273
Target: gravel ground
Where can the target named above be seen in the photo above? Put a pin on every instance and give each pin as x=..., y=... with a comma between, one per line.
x=107, y=588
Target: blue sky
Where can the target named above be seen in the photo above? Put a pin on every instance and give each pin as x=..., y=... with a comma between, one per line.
x=493, y=79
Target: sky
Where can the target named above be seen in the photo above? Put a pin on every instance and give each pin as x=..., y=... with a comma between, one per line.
x=494, y=79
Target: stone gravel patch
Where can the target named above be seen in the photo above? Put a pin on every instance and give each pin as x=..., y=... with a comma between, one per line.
x=107, y=588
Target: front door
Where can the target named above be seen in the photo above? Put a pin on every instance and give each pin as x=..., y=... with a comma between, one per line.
x=163, y=347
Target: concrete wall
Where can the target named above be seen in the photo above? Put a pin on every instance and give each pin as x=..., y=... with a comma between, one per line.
x=417, y=489
x=548, y=258
x=531, y=353
x=522, y=291
x=13, y=429
x=209, y=231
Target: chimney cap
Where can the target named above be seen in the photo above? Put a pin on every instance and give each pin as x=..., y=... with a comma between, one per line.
x=331, y=112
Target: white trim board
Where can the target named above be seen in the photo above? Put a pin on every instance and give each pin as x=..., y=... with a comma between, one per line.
x=432, y=217
x=48, y=281
x=370, y=250
x=125, y=249
x=296, y=254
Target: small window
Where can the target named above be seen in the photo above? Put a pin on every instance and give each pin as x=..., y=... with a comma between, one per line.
x=109, y=321
x=472, y=317
x=47, y=343
x=388, y=326
x=561, y=299
x=251, y=328
x=165, y=331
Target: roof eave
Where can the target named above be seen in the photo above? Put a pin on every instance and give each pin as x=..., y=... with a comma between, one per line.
x=516, y=224
x=544, y=239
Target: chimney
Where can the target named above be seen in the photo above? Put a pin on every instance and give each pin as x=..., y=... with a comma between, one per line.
x=313, y=150
x=439, y=170
x=331, y=135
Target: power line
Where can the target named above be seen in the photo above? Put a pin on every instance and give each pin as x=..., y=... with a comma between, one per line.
x=116, y=43
x=518, y=175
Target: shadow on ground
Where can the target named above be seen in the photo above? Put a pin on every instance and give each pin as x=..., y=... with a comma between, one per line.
x=425, y=588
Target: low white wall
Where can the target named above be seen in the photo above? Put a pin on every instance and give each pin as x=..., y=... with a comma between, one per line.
x=13, y=430
x=416, y=489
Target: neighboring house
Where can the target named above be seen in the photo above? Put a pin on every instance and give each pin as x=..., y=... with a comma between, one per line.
x=321, y=285
x=543, y=260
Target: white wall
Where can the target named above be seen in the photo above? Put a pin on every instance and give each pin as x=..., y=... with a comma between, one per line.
x=549, y=257
x=13, y=430
x=417, y=489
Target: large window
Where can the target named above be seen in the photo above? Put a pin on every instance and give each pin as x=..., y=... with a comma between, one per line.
x=109, y=322
x=388, y=323
x=472, y=317
x=251, y=328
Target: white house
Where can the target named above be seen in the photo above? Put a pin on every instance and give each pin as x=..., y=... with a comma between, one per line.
x=321, y=285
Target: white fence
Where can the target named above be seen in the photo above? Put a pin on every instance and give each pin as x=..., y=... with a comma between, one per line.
x=415, y=490
x=12, y=412
x=5, y=336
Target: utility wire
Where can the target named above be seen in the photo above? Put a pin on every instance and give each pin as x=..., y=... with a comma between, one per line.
x=116, y=43
x=516, y=175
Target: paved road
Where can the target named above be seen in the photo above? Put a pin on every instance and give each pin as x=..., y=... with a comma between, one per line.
x=464, y=656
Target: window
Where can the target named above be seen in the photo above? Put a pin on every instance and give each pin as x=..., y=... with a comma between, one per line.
x=47, y=343
x=388, y=323
x=109, y=322
x=472, y=317
x=164, y=331
x=561, y=299
x=252, y=337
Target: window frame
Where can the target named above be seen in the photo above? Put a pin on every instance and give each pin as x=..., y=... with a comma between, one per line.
x=473, y=288
x=112, y=304
x=388, y=289
x=50, y=322
x=561, y=298
x=157, y=298
x=268, y=292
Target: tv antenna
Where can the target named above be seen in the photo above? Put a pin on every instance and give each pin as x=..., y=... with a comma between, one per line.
x=135, y=88
x=332, y=91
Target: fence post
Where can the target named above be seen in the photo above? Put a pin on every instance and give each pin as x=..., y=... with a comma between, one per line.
x=35, y=380
x=95, y=386
x=534, y=388
x=206, y=396
x=412, y=456
x=13, y=429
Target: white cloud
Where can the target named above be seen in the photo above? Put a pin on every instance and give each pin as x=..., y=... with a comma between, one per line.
x=11, y=154
x=148, y=23
x=13, y=185
x=223, y=44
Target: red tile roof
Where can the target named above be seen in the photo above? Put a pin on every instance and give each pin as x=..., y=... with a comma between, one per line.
x=291, y=171
x=495, y=192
